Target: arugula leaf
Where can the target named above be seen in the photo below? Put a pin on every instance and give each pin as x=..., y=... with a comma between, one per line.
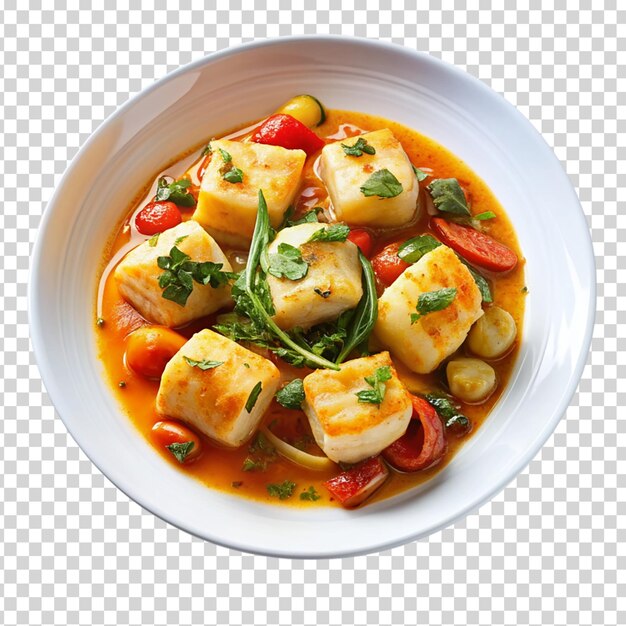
x=485, y=215
x=447, y=411
x=233, y=175
x=419, y=174
x=152, y=242
x=414, y=249
x=376, y=394
x=291, y=396
x=310, y=494
x=180, y=450
x=204, y=365
x=254, y=396
x=176, y=192
x=358, y=148
x=283, y=490
x=287, y=263
x=432, y=301
x=383, y=184
x=334, y=232
x=448, y=196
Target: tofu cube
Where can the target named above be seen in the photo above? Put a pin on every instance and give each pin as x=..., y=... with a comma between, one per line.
x=214, y=400
x=346, y=429
x=137, y=277
x=228, y=210
x=423, y=345
x=344, y=175
x=331, y=286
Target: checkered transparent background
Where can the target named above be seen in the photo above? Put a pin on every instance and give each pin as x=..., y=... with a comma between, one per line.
x=550, y=549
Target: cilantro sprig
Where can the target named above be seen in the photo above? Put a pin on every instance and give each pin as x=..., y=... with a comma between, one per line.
x=334, y=232
x=448, y=196
x=181, y=451
x=229, y=172
x=448, y=412
x=376, y=394
x=283, y=490
x=432, y=301
x=383, y=184
x=291, y=396
x=361, y=146
x=176, y=192
x=287, y=262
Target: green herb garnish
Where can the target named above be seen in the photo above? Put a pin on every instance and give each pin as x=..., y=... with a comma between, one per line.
x=310, y=494
x=480, y=280
x=291, y=396
x=203, y=365
x=358, y=148
x=152, y=242
x=419, y=174
x=283, y=490
x=432, y=301
x=254, y=396
x=485, y=215
x=376, y=394
x=287, y=263
x=334, y=232
x=207, y=150
x=254, y=465
x=447, y=411
x=383, y=184
x=180, y=239
x=181, y=450
x=448, y=196
x=176, y=192
x=233, y=175
x=414, y=249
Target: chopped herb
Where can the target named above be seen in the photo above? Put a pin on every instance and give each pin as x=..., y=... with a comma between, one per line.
x=253, y=465
x=207, y=150
x=291, y=396
x=524, y=289
x=448, y=196
x=254, y=396
x=176, y=192
x=480, y=280
x=203, y=365
x=181, y=450
x=420, y=175
x=233, y=175
x=485, y=215
x=180, y=239
x=152, y=242
x=121, y=384
x=310, y=217
x=447, y=411
x=383, y=184
x=263, y=445
x=225, y=156
x=310, y=494
x=432, y=301
x=359, y=148
x=414, y=249
x=100, y=322
x=246, y=365
x=334, y=232
x=237, y=483
x=376, y=394
x=287, y=263
x=281, y=491
x=325, y=294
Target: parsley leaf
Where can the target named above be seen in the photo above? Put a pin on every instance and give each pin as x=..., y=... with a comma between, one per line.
x=310, y=494
x=485, y=215
x=432, y=301
x=447, y=411
x=287, y=263
x=358, y=148
x=283, y=490
x=254, y=396
x=376, y=394
x=291, y=396
x=176, y=192
x=203, y=365
x=181, y=450
x=448, y=196
x=419, y=174
x=152, y=242
x=414, y=249
x=334, y=232
x=383, y=184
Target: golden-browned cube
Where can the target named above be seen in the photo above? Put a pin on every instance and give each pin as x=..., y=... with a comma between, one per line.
x=213, y=398
x=137, y=276
x=228, y=210
x=344, y=175
x=424, y=344
x=331, y=286
x=347, y=429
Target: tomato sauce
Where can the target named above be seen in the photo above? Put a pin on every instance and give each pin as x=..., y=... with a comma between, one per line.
x=222, y=468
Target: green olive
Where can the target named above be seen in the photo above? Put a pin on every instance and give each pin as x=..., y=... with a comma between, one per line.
x=471, y=380
x=493, y=334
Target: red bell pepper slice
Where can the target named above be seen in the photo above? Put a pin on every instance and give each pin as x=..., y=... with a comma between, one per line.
x=287, y=132
x=359, y=482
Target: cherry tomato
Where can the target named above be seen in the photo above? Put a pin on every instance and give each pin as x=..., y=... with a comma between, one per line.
x=286, y=131
x=423, y=445
x=388, y=265
x=149, y=348
x=476, y=247
x=156, y=217
x=362, y=239
x=166, y=432
x=359, y=482
x=203, y=166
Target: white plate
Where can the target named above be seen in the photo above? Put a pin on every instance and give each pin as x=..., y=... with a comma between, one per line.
x=216, y=93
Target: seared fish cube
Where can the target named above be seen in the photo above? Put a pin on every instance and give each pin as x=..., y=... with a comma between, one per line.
x=423, y=344
x=345, y=428
x=331, y=286
x=228, y=209
x=138, y=274
x=344, y=175
x=209, y=382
